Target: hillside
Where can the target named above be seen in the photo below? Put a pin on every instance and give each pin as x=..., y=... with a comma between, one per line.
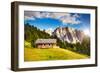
x=35, y=54
x=33, y=33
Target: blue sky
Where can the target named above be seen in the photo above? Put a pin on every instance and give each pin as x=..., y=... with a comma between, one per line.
x=52, y=20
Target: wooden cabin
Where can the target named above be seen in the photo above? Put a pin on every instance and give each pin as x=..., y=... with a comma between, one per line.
x=46, y=43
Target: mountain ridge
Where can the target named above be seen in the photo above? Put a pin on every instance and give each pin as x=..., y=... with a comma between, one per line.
x=69, y=34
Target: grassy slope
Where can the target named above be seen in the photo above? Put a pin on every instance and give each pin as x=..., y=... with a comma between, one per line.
x=35, y=54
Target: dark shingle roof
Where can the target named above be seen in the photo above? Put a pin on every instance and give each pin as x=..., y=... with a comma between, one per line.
x=39, y=41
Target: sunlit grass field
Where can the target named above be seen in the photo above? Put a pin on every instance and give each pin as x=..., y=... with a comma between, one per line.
x=36, y=54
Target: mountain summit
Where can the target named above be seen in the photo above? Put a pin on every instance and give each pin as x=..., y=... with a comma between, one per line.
x=69, y=35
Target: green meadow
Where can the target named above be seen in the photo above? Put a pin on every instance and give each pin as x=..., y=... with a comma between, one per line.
x=40, y=54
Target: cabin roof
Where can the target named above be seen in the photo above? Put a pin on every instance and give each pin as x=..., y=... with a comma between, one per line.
x=40, y=41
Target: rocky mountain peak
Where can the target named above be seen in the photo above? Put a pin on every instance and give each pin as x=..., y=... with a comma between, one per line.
x=68, y=34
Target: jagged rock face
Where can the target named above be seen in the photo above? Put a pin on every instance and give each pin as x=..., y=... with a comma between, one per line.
x=69, y=35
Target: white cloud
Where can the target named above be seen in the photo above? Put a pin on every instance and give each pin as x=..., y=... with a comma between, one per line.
x=64, y=17
x=71, y=19
x=32, y=14
x=49, y=31
x=76, y=15
x=58, y=15
x=86, y=32
x=29, y=18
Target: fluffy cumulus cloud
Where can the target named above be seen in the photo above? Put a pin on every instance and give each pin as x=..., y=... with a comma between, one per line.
x=71, y=19
x=29, y=18
x=64, y=17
